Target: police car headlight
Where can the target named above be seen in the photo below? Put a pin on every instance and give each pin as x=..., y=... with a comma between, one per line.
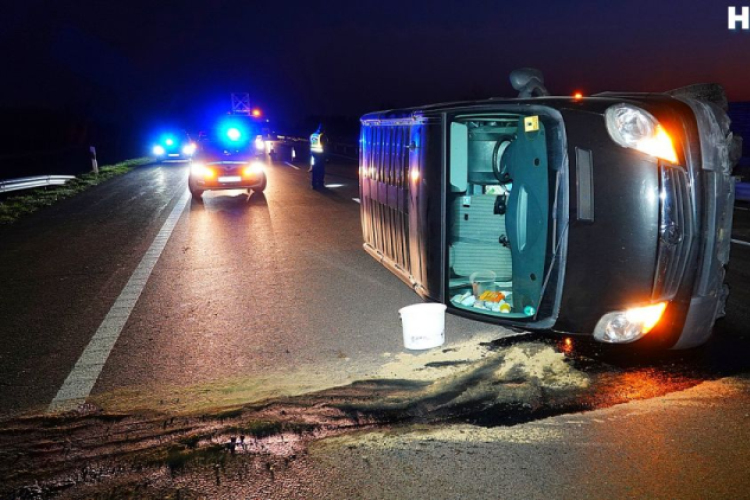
x=189, y=149
x=621, y=327
x=255, y=168
x=633, y=127
x=158, y=150
x=200, y=170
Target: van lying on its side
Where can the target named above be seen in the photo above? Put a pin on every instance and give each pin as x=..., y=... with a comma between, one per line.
x=607, y=215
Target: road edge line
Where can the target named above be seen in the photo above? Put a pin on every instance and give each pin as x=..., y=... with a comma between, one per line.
x=82, y=378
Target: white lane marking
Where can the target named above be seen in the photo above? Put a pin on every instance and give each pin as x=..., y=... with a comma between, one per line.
x=740, y=242
x=87, y=369
x=291, y=165
x=742, y=208
x=357, y=200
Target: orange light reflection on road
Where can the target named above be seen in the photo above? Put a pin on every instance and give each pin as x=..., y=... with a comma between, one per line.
x=567, y=347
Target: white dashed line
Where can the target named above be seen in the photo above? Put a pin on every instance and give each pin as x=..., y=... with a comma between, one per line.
x=742, y=208
x=357, y=200
x=87, y=369
x=291, y=165
x=740, y=242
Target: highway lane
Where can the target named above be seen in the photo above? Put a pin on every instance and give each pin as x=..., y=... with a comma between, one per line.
x=271, y=294
x=62, y=268
x=252, y=296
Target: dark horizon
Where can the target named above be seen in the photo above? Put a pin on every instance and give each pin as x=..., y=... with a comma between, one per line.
x=144, y=63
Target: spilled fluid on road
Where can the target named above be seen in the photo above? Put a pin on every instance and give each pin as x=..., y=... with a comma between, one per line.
x=262, y=449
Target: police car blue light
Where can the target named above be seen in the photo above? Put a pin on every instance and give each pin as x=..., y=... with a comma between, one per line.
x=234, y=134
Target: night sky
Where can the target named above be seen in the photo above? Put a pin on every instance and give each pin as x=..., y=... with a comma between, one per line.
x=142, y=61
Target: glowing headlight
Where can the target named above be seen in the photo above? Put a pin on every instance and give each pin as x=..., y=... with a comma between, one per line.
x=260, y=143
x=189, y=149
x=158, y=150
x=255, y=168
x=633, y=127
x=200, y=170
x=627, y=326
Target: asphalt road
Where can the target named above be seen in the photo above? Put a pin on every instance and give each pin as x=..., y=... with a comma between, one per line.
x=261, y=296
x=251, y=297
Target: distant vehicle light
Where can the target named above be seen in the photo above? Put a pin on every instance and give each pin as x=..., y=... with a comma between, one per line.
x=578, y=96
x=256, y=113
x=627, y=326
x=234, y=134
x=633, y=127
x=169, y=142
x=189, y=149
x=159, y=150
x=260, y=143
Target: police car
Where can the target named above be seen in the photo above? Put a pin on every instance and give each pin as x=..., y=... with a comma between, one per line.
x=230, y=156
x=174, y=146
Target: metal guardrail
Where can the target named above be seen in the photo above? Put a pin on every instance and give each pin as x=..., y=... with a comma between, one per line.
x=34, y=182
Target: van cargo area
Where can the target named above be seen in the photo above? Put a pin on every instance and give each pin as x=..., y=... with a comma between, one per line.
x=499, y=212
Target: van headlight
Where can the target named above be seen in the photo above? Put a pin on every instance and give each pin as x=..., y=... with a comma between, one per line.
x=621, y=327
x=633, y=127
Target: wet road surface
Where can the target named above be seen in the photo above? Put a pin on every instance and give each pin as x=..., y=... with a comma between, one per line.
x=266, y=297
x=251, y=297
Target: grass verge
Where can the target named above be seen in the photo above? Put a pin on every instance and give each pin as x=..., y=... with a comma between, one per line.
x=17, y=205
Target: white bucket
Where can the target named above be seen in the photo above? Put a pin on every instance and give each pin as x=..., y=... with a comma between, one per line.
x=424, y=325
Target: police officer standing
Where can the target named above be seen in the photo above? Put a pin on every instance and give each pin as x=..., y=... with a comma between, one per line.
x=318, y=143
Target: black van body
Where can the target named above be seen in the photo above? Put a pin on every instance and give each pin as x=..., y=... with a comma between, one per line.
x=586, y=232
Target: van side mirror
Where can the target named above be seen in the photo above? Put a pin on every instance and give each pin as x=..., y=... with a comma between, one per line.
x=528, y=82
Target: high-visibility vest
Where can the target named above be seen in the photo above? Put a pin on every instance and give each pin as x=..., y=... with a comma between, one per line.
x=316, y=143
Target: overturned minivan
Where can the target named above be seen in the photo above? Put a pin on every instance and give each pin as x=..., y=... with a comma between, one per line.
x=608, y=216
